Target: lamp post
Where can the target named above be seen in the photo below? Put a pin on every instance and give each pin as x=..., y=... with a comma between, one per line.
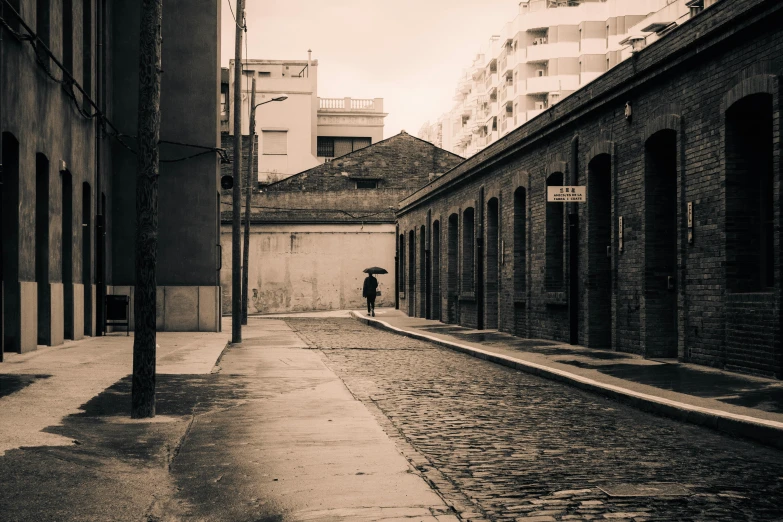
x=249, y=192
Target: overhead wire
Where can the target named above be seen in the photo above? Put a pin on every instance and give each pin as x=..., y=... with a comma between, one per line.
x=232, y=14
x=68, y=82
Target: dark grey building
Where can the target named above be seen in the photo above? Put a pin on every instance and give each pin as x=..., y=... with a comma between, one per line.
x=68, y=115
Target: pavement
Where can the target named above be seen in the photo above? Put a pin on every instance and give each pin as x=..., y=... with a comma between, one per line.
x=740, y=405
x=261, y=430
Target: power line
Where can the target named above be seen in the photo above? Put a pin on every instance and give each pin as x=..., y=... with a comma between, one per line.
x=232, y=13
x=68, y=82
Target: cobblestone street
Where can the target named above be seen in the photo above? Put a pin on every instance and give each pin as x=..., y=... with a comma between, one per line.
x=499, y=444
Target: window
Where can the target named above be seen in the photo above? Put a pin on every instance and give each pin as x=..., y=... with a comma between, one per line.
x=223, y=103
x=275, y=143
x=68, y=35
x=264, y=74
x=11, y=17
x=87, y=50
x=366, y=183
x=42, y=28
x=325, y=148
x=332, y=147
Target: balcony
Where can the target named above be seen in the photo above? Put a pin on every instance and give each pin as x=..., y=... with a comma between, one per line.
x=489, y=110
x=509, y=63
x=543, y=84
x=491, y=81
x=532, y=114
x=503, y=94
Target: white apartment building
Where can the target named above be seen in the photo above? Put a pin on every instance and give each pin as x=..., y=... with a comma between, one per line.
x=549, y=50
x=304, y=130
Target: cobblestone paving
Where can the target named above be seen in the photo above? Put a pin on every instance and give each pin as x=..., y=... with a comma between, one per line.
x=499, y=444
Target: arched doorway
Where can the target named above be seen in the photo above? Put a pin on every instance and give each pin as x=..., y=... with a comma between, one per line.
x=9, y=258
x=435, y=257
x=423, y=283
x=42, y=249
x=411, y=273
x=452, y=272
x=67, y=254
x=520, y=262
x=87, y=258
x=492, y=268
x=660, y=245
x=599, y=262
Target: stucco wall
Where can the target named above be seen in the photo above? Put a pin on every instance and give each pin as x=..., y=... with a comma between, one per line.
x=311, y=267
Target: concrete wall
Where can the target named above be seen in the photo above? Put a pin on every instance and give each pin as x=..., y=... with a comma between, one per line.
x=666, y=289
x=38, y=118
x=294, y=268
x=188, y=190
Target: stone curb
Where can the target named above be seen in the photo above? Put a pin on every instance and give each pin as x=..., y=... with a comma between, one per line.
x=766, y=432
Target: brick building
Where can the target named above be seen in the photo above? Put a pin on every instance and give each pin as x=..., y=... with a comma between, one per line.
x=313, y=233
x=677, y=251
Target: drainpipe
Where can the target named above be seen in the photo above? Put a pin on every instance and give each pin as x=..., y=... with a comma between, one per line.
x=2, y=280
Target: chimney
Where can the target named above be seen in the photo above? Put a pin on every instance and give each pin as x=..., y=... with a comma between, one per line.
x=309, y=56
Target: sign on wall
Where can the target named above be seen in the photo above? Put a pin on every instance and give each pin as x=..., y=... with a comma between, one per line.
x=568, y=194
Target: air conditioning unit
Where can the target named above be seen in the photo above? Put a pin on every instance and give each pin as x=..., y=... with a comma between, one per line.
x=540, y=72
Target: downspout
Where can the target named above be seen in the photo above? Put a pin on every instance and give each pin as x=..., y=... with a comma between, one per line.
x=2, y=279
x=100, y=217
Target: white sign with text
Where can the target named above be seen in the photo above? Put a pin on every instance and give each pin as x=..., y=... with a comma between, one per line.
x=570, y=194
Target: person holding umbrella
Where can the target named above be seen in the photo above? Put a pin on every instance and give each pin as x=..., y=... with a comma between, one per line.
x=371, y=287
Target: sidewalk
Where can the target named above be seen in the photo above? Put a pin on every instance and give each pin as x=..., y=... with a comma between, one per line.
x=737, y=404
x=260, y=430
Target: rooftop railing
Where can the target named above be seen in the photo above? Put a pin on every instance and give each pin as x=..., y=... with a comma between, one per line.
x=351, y=104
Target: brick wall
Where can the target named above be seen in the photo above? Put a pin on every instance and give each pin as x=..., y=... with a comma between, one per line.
x=666, y=290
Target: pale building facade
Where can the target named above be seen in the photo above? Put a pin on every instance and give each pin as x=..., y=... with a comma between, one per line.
x=548, y=51
x=304, y=130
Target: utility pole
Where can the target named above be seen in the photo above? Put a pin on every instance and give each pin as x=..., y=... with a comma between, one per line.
x=248, y=196
x=147, y=170
x=236, y=276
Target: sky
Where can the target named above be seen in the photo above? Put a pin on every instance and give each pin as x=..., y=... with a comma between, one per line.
x=408, y=52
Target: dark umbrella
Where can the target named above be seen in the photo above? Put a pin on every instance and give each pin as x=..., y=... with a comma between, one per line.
x=375, y=270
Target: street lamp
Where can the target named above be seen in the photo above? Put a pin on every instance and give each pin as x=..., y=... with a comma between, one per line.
x=249, y=193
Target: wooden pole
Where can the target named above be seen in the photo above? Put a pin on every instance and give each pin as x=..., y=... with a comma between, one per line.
x=248, y=196
x=147, y=170
x=236, y=276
